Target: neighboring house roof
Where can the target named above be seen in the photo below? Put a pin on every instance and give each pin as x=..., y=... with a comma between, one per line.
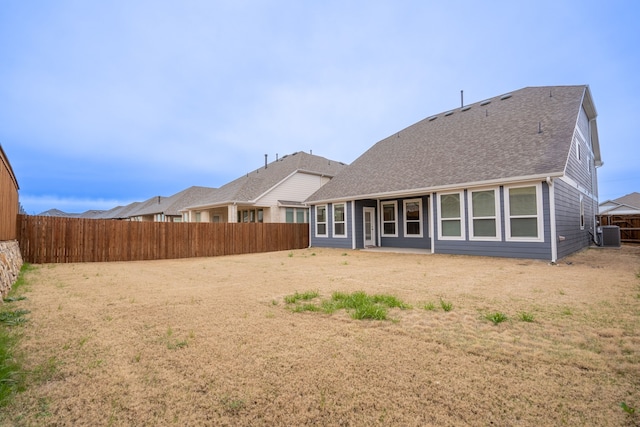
x=523, y=134
x=120, y=212
x=150, y=203
x=173, y=204
x=625, y=205
x=632, y=199
x=248, y=188
x=57, y=212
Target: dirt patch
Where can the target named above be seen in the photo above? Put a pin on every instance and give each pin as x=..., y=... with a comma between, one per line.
x=211, y=341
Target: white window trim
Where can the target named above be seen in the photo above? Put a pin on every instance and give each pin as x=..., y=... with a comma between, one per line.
x=395, y=218
x=404, y=217
x=472, y=236
x=539, y=214
x=344, y=209
x=461, y=218
x=325, y=222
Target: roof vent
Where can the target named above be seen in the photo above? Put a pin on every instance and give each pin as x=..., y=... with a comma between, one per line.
x=432, y=118
x=505, y=96
x=467, y=108
x=488, y=101
x=448, y=113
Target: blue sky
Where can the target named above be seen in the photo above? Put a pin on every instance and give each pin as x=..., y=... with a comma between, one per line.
x=106, y=103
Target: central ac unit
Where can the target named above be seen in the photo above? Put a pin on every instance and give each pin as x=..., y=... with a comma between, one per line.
x=610, y=236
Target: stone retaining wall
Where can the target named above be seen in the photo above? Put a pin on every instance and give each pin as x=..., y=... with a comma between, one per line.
x=10, y=264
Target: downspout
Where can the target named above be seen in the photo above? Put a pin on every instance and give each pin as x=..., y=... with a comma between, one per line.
x=379, y=233
x=552, y=220
x=353, y=224
x=310, y=224
x=432, y=225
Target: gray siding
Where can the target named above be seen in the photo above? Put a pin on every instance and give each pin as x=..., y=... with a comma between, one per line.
x=331, y=241
x=503, y=248
x=582, y=170
x=571, y=237
x=403, y=241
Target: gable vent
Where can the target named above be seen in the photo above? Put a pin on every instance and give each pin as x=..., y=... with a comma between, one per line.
x=432, y=118
x=488, y=101
x=505, y=96
x=448, y=113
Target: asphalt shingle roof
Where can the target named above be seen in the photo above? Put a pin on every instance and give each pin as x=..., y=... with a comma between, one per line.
x=249, y=187
x=527, y=132
x=172, y=205
x=632, y=200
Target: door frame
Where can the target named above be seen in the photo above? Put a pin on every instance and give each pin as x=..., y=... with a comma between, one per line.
x=372, y=212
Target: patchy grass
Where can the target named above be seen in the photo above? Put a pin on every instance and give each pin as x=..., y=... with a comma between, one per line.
x=305, y=296
x=496, y=317
x=446, y=305
x=359, y=304
x=11, y=374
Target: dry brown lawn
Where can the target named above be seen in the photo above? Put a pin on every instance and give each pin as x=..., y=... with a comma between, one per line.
x=210, y=341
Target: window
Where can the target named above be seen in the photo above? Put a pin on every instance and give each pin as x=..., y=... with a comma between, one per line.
x=198, y=216
x=301, y=216
x=321, y=220
x=578, y=149
x=581, y=212
x=524, y=211
x=450, y=213
x=484, y=222
x=389, y=222
x=339, y=228
x=413, y=218
x=297, y=215
x=251, y=215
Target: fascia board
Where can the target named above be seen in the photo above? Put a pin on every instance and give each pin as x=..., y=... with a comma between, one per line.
x=441, y=188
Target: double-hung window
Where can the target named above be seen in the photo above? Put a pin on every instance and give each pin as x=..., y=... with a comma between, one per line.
x=321, y=220
x=389, y=219
x=413, y=218
x=484, y=220
x=339, y=228
x=523, y=207
x=450, y=214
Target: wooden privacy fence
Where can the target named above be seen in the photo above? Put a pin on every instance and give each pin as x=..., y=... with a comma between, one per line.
x=61, y=240
x=8, y=199
x=629, y=226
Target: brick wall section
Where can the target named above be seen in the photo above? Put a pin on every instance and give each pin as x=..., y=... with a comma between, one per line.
x=10, y=264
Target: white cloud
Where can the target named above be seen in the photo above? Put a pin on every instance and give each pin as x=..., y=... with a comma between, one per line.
x=38, y=204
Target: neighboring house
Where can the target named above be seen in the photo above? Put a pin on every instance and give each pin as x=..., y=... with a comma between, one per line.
x=90, y=214
x=273, y=193
x=513, y=176
x=120, y=212
x=625, y=205
x=167, y=209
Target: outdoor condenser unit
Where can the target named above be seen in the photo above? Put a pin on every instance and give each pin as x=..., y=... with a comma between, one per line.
x=610, y=236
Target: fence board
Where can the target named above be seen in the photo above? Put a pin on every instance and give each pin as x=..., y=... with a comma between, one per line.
x=61, y=240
